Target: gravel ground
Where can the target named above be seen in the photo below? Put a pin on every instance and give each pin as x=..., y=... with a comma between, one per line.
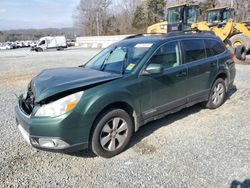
x=195, y=147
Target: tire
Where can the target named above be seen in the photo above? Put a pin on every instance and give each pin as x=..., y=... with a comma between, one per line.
x=39, y=50
x=240, y=39
x=59, y=49
x=217, y=94
x=112, y=133
x=240, y=52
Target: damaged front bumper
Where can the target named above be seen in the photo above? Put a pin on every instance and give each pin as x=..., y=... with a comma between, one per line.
x=50, y=135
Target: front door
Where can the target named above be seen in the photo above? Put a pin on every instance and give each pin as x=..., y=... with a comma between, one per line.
x=167, y=89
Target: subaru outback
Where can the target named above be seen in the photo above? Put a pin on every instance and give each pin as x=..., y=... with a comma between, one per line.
x=99, y=105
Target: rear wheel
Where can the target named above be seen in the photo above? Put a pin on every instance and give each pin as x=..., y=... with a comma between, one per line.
x=60, y=48
x=217, y=94
x=112, y=133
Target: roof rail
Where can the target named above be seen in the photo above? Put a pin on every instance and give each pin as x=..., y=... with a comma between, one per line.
x=133, y=36
x=189, y=32
x=175, y=33
x=143, y=34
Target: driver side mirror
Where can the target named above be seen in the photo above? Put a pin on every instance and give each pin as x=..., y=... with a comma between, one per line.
x=153, y=69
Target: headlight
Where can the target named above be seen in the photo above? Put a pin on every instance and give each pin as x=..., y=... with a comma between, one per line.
x=60, y=106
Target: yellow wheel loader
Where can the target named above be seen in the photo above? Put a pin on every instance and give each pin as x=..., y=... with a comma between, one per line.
x=221, y=21
x=158, y=28
x=179, y=18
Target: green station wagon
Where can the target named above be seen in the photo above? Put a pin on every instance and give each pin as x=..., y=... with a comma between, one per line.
x=101, y=104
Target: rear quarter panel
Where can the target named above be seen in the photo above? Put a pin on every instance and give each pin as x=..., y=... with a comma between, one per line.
x=227, y=66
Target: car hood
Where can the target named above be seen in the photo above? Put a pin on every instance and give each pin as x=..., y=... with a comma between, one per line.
x=55, y=81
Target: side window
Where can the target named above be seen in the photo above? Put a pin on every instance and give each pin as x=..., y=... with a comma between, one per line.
x=168, y=55
x=214, y=47
x=194, y=49
x=209, y=49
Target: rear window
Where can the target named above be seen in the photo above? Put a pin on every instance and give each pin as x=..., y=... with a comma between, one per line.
x=214, y=47
x=194, y=49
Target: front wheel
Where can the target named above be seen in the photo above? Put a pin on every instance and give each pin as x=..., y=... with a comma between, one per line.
x=217, y=94
x=39, y=50
x=112, y=133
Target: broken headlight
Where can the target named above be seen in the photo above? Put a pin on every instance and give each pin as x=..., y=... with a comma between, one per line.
x=60, y=106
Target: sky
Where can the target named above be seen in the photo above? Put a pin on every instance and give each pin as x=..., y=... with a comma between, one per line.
x=36, y=14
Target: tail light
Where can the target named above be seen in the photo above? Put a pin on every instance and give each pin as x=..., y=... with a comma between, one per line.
x=232, y=56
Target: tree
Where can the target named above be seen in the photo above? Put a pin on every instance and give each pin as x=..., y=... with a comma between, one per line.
x=124, y=14
x=103, y=17
x=242, y=10
x=139, y=19
x=112, y=26
x=92, y=15
x=155, y=11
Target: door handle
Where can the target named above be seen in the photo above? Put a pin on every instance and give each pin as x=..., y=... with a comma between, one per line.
x=181, y=74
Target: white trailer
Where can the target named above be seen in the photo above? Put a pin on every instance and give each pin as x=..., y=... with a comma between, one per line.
x=46, y=43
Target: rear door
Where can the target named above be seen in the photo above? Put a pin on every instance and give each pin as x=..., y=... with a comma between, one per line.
x=201, y=65
x=168, y=89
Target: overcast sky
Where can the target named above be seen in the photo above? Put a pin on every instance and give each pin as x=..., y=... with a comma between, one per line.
x=24, y=14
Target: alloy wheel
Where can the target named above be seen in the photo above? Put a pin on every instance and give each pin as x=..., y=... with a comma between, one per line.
x=114, y=134
x=218, y=94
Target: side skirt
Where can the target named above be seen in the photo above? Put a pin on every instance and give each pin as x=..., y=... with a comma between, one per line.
x=157, y=113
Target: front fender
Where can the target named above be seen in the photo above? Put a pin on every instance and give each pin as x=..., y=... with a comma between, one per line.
x=97, y=104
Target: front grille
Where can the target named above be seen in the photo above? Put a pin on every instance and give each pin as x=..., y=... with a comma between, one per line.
x=27, y=102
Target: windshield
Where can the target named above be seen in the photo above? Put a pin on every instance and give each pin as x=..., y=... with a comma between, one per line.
x=119, y=59
x=213, y=16
x=174, y=15
x=42, y=42
x=227, y=14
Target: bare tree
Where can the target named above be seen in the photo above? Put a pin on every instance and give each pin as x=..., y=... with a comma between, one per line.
x=242, y=9
x=92, y=15
x=101, y=17
x=124, y=15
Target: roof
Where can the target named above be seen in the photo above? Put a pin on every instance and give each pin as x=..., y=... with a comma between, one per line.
x=155, y=38
x=218, y=8
x=183, y=4
x=141, y=38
